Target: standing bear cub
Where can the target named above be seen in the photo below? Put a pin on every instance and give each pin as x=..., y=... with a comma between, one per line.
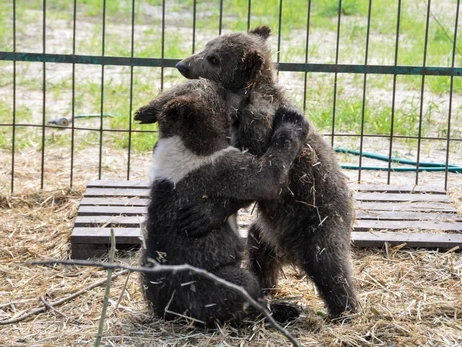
x=310, y=222
x=193, y=160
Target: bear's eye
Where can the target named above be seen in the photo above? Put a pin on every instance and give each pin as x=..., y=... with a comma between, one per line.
x=213, y=60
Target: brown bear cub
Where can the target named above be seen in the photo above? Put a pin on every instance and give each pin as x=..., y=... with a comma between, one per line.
x=193, y=160
x=310, y=223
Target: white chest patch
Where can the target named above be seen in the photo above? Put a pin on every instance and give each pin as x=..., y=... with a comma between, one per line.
x=171, y=160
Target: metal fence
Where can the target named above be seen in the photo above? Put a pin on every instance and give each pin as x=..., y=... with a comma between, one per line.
x=357, y=68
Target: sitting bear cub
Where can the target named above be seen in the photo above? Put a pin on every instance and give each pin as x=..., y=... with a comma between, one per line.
x=309, y=224
x=193, y=160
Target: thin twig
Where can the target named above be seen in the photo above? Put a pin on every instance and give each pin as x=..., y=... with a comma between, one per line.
x=47, y=304
x=179, y=268
x=107, y=292
x=59, y=302
x=122, y=292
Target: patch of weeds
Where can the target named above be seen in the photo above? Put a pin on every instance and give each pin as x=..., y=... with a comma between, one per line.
x=24, y=136
x=177, y=46
x=6, y=27
x=376, y=119
x=23, y=114
x=140, y=141
x=89, y=41
x=442, y=84
x=331, y=8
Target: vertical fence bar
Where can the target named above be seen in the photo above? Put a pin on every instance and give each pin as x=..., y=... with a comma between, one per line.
x=42, y=169
x=334, y=101
x=73, y=96
x=13, y=131
x=393, y=98
x=279, y=31
x=220, y=18
x=363, y=108
x=249, y=10
x=422, y=88
x=451, y=90
x=130, y=107
x=307, y=45
x=102, y=93
x=163, y=47
x=194, y=26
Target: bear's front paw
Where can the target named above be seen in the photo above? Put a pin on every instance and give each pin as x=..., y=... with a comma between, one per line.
x=289, y=116
x=145, y=115
x=197, y=218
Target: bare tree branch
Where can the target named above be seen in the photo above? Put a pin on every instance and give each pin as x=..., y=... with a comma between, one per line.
x=180, y=268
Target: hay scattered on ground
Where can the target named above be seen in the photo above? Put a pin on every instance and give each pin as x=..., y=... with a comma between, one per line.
x=408, y=297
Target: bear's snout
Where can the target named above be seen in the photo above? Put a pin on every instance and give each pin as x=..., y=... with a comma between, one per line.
x=183, y=68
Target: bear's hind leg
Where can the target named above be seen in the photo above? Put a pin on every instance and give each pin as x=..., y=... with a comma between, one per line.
x=327, y=262
x=219, y=304
x=263, y=260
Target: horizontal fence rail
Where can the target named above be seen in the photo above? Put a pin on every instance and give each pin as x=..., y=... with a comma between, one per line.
x=295, y=67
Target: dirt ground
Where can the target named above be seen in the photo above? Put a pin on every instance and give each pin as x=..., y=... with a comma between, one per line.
x=408, y=297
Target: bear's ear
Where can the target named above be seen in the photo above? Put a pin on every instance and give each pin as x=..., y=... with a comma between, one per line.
x=252, y=64
x=262, y=31
x=181, y=108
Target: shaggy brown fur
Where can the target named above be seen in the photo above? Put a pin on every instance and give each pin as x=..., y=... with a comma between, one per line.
x=310, y=223
x=193, y=160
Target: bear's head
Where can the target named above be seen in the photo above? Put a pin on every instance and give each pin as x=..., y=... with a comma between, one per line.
x=233, y=60
x=196, y=111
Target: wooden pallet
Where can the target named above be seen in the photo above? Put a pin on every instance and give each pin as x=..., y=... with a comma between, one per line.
x=417, y=217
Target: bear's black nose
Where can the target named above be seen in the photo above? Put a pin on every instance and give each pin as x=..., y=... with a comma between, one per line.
x=182, y=68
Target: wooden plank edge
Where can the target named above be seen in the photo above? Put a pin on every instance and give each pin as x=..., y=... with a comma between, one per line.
x=82, y=235
x=111, y=201
x=407, y=216
x=367, y=225
x=85, y=210
x=400, y=197
x=406, y=206
x=117, y=192
x=385, y=188
x=412, y=240
x=355, y=186
x=118, y=184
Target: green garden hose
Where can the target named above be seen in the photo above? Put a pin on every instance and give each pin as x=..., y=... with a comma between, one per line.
x=422, y=166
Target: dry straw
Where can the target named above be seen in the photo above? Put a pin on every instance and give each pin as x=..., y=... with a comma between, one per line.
x=408, y=297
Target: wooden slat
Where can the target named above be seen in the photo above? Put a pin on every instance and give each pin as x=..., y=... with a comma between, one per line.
x=417, y=216
x=362, y=205
x=88, y=250
x=405, y=206
x=113, y=192
x=118, y=184
x=121, y=201
x=360, y=225
x=400, y=197
x=378, y=239
x=385, y=188
x=354, y=186
x=88, y=235
x=82, y=221
x=366, y=225
x=111, y=210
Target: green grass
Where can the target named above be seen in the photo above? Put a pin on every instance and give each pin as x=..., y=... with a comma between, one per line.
x=178, y=44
